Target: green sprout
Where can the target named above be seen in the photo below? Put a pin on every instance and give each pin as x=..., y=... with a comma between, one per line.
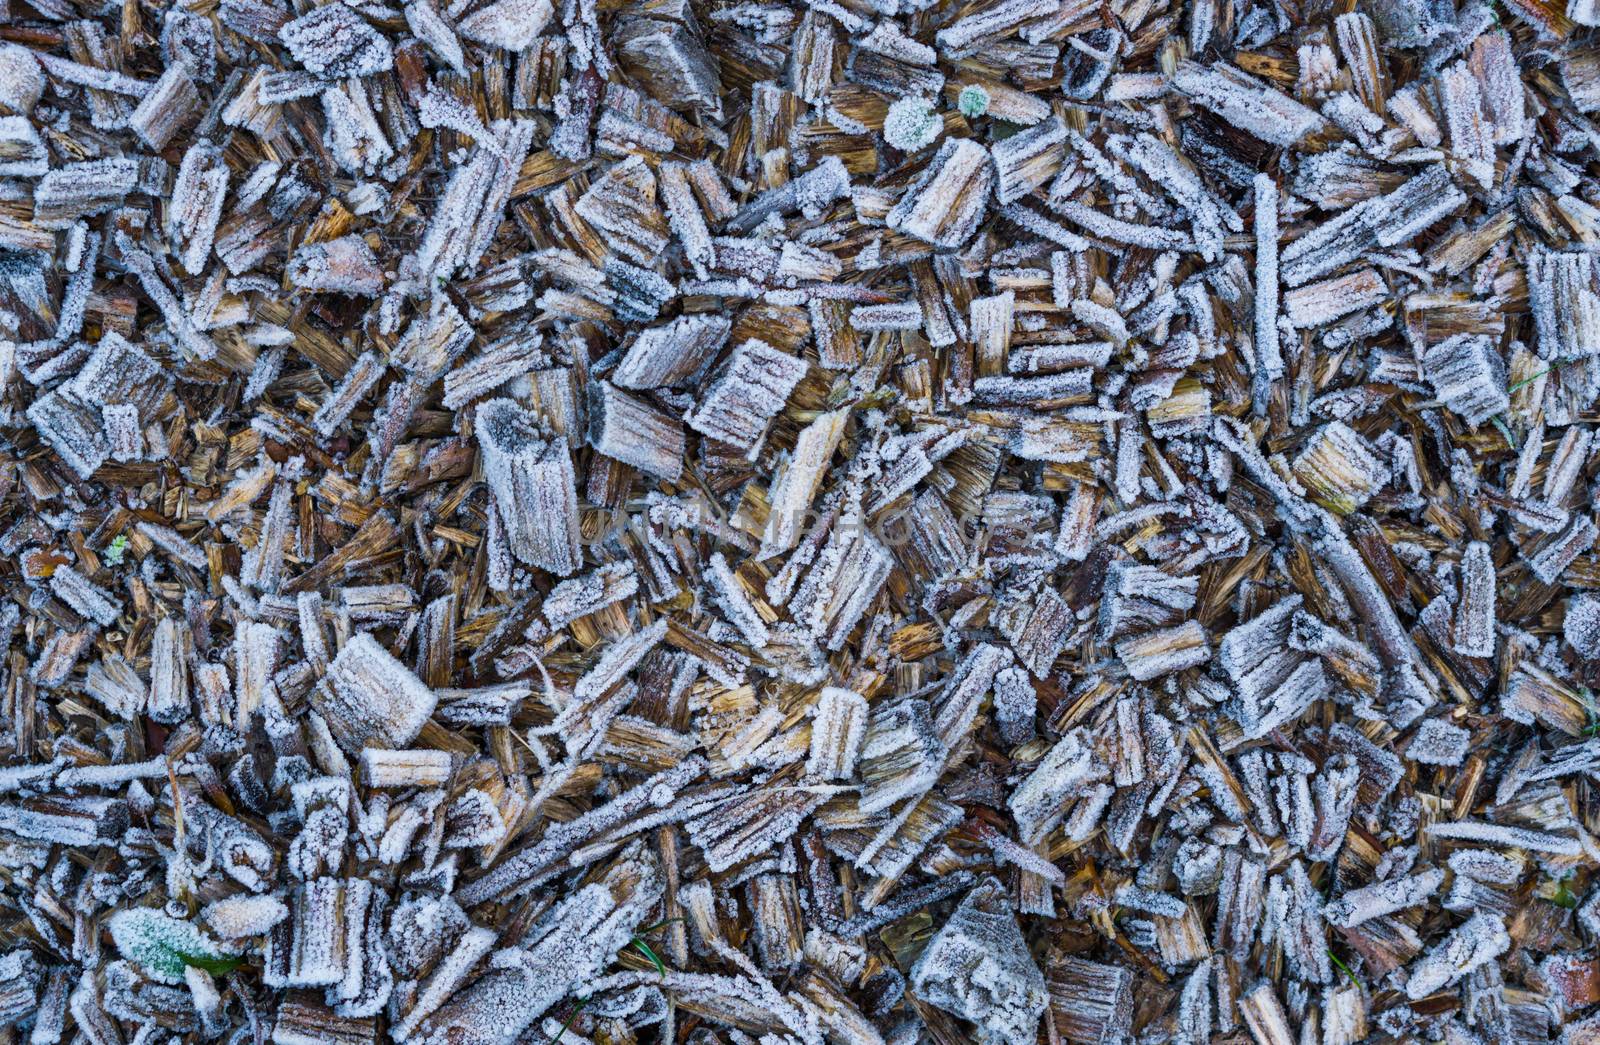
x=1343, y=967
x=655, y=959
x=1563, y=896
x=558, y=1035
x=115, y=550
x=645, y=948
x=1499, y=422
x=1557, y=365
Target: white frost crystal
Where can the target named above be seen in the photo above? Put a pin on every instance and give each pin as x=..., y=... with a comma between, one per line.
x=235, y=917
x=836, y=734
x=1381, y=898
x=334, y=41
x=978, y=967
x=372, y=697
x=21, y=79
x=535, y=493
x=1438, y=743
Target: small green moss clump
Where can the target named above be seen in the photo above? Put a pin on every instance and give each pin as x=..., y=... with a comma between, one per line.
x=973, y=101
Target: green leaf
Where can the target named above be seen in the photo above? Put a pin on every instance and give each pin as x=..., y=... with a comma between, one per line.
x=115, y=549
x=648, y=953
x=163, y=946
x=215, y=966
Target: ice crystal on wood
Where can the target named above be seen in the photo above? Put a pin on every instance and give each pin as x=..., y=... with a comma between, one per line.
x=739, y=405
x=979, y=968
x=798, y=522
x=369, y=695
x=534, y=490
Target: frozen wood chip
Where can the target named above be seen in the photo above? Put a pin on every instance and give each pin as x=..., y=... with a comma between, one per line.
x=370, y=696
x=798, y=522
x=634, y=432
x=534, y=490
x=1246, y=102
x=1439, y=743
x=752, y=389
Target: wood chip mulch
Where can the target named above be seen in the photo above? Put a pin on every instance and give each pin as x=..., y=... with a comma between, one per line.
x=799, y=522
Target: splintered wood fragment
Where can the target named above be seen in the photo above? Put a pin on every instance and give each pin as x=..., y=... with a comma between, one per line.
x=1166, y=651
x=798, y=479
x=485, y=373
x=422, y=768
x=618, y=660
x=900, y=754
x=621, y=206
x=1473, y=630
x=672, y=353
x=1090, y=1001
x=1067, y=772
x=342, y=400
x=983, y=931
x=752, y=389
x=591, y=593
x=170, y=103
x=838, y=346
x=1027, y=160
x=345, y=265
x=170, y=650
x=895, y=315
x=1318, y=304
x=534, y=488
x=1358, y=40
x=947, y=202
x=1558, y=552
x=65, y=820
x=78, y=190
x=368, y=695
x=1247, y=103
x=302, y=1018
x=1277, y=683
x=852, y=568
x=86, y=598
x=1340, y=468
x=631, y=430
x=750, y=824
x=1468, y=376
x=837, y=732
x=1264, y=1016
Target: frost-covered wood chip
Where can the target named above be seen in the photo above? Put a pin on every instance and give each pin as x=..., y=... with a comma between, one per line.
x=826, y=524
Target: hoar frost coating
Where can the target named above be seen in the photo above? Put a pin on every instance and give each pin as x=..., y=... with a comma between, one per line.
x=978, y=967
x=911, y=124
x=502, y=495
